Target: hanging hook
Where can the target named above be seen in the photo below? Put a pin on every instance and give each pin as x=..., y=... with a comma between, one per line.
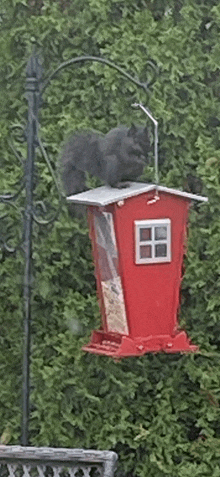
x=146, y=111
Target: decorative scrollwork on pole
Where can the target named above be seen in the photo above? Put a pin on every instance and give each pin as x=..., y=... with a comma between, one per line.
x=8, y=202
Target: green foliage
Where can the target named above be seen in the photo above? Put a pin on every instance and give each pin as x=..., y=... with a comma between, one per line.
x=159, y=412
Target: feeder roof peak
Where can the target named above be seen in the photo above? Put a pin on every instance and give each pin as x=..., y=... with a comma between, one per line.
x=105, y=195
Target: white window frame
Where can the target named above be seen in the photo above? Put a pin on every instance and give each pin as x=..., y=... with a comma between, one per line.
x=139, y=224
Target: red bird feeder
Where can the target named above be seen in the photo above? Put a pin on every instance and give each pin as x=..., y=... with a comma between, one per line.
x=138, y=238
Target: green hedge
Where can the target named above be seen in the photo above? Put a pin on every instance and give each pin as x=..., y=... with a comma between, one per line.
x=159, y=412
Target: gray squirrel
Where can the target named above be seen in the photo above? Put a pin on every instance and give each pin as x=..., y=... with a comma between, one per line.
x=118, y=156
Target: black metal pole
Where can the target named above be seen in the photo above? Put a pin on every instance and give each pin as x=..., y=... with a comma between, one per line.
x=32, y=95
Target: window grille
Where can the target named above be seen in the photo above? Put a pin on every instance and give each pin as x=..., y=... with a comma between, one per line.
x=153, y=241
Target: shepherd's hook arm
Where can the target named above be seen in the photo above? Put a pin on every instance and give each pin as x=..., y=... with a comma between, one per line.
x=79, y=59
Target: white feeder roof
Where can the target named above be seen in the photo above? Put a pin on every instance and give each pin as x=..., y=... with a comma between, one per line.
x=105, y=195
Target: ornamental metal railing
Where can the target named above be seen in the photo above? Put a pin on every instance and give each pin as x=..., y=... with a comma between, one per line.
x=17, y=461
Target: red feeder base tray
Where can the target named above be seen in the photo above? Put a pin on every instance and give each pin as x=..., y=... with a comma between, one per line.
x=120, y=346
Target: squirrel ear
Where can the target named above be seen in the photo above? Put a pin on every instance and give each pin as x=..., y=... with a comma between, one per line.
x=132, y=131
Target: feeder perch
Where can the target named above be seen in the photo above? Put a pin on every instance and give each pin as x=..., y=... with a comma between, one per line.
x=138, y=236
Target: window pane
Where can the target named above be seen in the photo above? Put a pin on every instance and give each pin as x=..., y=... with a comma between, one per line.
x=145, y=234
x=161, y=250
x=145, y=251
x=160, y=233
